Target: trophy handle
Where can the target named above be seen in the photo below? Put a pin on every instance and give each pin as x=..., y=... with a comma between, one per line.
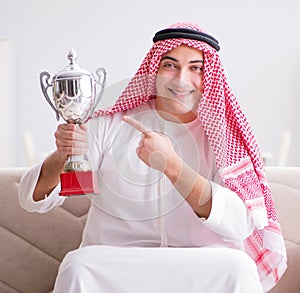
x=44, y=76
x=101, y=73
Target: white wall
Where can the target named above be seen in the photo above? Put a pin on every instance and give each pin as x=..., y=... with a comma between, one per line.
x=6, y=129
x=260, y=51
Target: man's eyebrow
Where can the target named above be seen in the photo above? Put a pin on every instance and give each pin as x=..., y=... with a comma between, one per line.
x=196, y=61
x=175, y=60
x=170, y=58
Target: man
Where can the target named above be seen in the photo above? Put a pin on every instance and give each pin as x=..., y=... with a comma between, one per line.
x=178, y=168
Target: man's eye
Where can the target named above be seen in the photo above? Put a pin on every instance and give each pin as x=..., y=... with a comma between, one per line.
x=197, y=68
x=169, y=65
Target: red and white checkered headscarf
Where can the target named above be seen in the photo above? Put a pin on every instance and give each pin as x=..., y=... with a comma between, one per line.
x=237, y=153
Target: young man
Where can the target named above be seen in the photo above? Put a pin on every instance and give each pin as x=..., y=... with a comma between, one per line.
x=178, y=168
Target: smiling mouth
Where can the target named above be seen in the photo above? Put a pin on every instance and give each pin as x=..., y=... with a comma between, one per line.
x=181, y=94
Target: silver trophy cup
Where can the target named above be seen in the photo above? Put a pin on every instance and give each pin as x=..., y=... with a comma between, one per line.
x=74, y=92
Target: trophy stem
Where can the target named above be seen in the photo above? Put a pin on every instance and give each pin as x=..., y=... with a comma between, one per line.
x=77, y=164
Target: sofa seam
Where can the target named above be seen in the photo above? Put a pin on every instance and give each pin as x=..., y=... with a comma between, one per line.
x=8, y=285
x=32, y=244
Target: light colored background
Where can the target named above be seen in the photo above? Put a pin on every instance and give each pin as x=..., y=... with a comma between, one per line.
x=260, y=52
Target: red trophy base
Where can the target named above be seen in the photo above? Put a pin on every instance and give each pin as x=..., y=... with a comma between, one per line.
x=78, y=183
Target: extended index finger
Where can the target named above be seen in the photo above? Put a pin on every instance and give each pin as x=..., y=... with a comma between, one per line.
x=136, y=124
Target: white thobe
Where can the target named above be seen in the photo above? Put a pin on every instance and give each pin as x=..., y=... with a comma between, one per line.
x=139, y=210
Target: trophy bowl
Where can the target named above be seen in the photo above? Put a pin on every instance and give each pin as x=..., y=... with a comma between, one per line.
x=74, y=98
x=74, y=92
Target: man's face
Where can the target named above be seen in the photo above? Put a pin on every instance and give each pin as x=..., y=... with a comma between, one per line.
x=179, y=84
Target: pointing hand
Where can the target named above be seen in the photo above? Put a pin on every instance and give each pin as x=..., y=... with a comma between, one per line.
x=155, y=149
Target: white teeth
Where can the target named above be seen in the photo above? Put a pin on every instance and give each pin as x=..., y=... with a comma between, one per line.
x=180, y=93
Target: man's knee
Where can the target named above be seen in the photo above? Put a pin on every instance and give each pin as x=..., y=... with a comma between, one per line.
x=72, y=263
x=241, y=263
x=243, y=272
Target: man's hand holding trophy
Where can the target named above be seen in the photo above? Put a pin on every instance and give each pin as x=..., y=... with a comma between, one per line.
x=74, y=91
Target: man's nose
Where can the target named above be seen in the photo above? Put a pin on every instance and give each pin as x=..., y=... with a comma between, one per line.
x=183, y=77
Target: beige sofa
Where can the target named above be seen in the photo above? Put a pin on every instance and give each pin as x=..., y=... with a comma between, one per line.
x=33, y=245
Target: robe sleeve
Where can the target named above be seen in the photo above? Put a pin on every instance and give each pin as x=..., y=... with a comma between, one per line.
x=229, y=216
x=26, y=188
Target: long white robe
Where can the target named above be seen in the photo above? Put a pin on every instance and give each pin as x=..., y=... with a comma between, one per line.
x=139, y=210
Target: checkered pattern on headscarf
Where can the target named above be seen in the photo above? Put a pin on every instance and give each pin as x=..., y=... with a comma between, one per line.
x=237, y=153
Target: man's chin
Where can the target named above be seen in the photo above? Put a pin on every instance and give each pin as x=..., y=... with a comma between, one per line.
x=176, y=107
x=180, y=108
